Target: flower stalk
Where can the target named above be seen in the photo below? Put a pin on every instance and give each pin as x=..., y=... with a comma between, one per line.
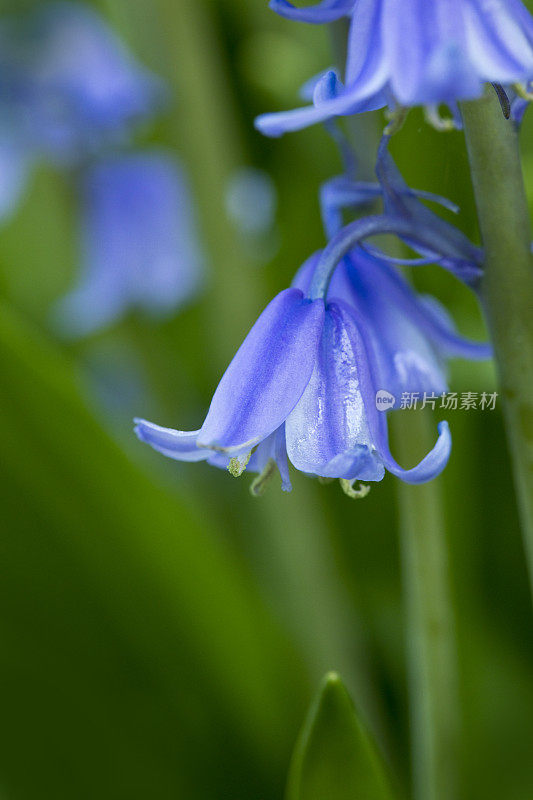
x=430, y=629
x=507, y=288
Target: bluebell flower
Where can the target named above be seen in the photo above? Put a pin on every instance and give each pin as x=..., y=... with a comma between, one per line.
x=414, y=52
x=301, y=386
x=71, y=86
x=139, y=242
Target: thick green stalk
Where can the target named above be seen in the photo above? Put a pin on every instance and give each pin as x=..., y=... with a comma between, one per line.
x=432, y=659
x=504, y=221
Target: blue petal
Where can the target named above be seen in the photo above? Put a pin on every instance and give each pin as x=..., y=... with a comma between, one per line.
x=340, y=193
x=267, y=376
x=434, y=319
x=422, y=52
x=272, y=448
x=366, y=66
x=325, y=11
x=331, y=99
x=446, y=242
x=432, y=464
x=500, y=40
x=359, y=464
x=426, y=47
x=368, y=281
x=329, y=420
x=179, y=445
x=307, y=91
x=405, y=358
x=519, y=105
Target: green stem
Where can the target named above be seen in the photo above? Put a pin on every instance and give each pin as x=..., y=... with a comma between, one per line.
x=432, y=660
x=503, y=213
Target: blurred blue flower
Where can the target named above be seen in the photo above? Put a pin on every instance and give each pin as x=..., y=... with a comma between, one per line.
x=69, y=84
x=140, y=247
x=415, y=52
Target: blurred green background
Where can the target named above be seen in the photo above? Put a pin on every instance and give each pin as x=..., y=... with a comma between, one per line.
x=162, y=632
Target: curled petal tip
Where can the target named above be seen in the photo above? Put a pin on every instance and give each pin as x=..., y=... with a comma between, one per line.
x=179, y=445
x=431, y=465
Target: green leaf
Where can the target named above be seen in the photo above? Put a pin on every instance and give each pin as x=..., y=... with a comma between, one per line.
x=335, y=756
x=135, y=647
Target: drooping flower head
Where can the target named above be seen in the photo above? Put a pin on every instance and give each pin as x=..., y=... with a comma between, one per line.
x=300, y=386
x=414, y=52
x=139, y=242
x=304, y=384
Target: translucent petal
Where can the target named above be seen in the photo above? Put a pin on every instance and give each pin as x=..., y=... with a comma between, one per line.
x=267, y=376
x=272, y=448
x=330, y=418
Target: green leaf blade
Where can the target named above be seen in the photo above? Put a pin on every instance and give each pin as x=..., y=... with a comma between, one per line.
x=335, y=757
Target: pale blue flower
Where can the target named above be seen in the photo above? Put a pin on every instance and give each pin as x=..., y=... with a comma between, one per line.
x=139, y=242
x=69, y=85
